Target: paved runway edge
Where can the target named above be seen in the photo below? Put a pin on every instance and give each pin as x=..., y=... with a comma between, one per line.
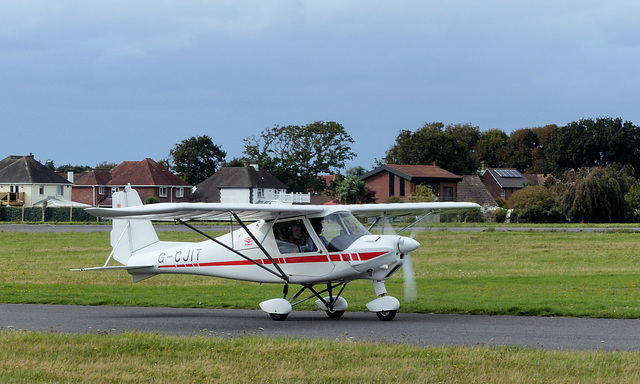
x=558, y=333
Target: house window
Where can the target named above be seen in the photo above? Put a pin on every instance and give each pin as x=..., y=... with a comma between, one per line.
x=179, y=192
x=41, y=190
x=60, y=190
x=260, y=192
x=276, y=194
x=503, y=194
x=101, y=191
x=392, y=184
x=163, y=191
x=402, y=182
x=114, y=190
x=448, y=193
x=14, y=189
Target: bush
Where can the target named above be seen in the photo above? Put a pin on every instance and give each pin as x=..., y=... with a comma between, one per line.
x=501, y=202
x=474, y=216
x=556, y=215
x=533, y=214
x=531, y=197
x=151, y=200
x=34, y=214
x=500, y=215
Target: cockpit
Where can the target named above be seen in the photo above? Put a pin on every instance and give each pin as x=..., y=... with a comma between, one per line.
x=334, y=232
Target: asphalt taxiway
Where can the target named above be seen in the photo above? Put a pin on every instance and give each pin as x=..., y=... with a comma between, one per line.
x=558, y=333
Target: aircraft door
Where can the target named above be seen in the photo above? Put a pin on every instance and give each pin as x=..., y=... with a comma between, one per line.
x=300, y=247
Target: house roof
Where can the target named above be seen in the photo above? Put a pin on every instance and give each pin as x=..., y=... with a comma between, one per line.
x=410, y=172
x=94, y=177
x=473, y=189
x=506, y=177
x=146, y=172
x=235, y=177
x=537, y=178
x=27, y=170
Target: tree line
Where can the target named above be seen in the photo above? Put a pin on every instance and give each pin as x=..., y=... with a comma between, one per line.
x=551, y=149
x=594, y=163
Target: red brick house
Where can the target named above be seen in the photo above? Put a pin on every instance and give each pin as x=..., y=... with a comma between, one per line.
x=149, y=178
x=394, y=180
x=504, y=182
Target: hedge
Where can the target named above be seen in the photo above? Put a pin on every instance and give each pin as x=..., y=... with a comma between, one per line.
x=34, y=214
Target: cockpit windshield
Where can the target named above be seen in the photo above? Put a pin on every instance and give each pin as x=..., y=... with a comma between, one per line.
x=340, y=230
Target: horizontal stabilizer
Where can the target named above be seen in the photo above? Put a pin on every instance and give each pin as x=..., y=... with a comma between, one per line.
x=115, y=267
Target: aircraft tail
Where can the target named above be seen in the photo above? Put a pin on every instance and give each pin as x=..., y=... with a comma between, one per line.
x=129, y=236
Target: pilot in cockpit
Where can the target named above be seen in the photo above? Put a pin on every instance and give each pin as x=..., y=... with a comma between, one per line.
x=298, y=240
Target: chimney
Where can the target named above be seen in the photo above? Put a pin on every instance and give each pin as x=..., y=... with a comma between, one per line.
x=254, y=164
x=70, y=175
x=484, y=165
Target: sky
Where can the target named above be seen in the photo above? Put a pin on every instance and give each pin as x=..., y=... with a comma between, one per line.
x=85, y=82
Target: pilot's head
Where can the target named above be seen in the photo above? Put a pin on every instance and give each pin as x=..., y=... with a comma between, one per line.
x=296, y=231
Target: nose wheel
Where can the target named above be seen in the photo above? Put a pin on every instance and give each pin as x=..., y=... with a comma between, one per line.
x=279, y=316
x=334, y=314
x=386, y=315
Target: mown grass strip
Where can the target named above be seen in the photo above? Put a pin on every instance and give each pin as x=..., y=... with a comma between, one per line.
x=33, y=357
x=533, y=273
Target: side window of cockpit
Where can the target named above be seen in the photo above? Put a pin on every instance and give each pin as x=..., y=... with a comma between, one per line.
x=292, y=237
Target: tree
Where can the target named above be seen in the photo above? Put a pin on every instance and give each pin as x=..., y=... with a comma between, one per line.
x=423, y=193
x=592, y=143
x=106, y=165
x=465, y=133
x=597, y=194
x=491, y=147
x=532, y=196
x=197, y=158
x=76, y=168
x=537, y=153
x=350, y=190
x=431, y=144
x=297, y=155
x=519, y=148
x=633, y=199
x=236, y=162
x=356, y=171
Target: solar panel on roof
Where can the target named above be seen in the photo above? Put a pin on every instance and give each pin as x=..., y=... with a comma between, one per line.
x=508, y=173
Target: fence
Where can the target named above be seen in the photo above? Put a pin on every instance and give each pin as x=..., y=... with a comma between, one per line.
x=34, y=214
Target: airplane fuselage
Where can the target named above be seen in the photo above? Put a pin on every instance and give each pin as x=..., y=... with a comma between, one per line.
x=369, y=257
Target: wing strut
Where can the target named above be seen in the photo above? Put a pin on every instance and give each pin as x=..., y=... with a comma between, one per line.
x=414, y=223
x=259, y=244
x=281, y=275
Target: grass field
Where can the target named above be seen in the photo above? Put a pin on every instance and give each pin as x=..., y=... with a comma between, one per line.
x=144, y=358
x=534, y=273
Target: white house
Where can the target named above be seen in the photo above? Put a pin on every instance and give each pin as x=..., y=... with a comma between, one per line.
x=24, y=181
x=248, y=184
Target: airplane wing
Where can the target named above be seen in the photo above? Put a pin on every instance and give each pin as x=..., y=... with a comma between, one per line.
x=205, y=211
x=408, y=209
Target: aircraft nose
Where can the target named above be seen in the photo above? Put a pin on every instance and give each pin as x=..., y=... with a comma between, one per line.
x=407, y=244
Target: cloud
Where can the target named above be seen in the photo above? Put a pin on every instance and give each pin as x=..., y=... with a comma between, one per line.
x=375, y=66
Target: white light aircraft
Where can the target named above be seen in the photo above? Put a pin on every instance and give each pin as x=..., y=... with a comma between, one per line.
x=307, y=245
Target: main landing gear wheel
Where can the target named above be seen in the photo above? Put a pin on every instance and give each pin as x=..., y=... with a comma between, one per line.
x=386, y=315
x=334, y=314
x=279, y=316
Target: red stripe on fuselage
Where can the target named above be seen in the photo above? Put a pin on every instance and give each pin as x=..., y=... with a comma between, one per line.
x=365, y=256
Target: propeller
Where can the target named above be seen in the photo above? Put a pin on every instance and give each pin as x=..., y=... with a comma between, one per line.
x=406, y=245
x=410, y=291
